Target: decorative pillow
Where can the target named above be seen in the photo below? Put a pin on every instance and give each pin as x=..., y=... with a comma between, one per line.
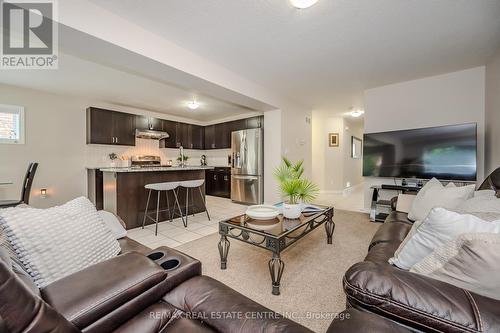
x=439, y=227
x=55, y=242
x=404, y=202
x=434, y=194
x=470, y=261
x=481, y=203
x=113, y=223
x=485, y=193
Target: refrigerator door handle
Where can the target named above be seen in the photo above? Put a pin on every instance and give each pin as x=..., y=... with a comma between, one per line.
x=246, y=177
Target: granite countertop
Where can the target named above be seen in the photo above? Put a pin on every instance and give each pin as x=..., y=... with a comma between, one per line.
x=157, y=169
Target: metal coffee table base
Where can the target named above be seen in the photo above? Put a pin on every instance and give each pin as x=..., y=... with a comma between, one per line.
x=276, y=244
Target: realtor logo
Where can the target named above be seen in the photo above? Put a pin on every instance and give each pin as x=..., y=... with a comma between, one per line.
x=29, y=34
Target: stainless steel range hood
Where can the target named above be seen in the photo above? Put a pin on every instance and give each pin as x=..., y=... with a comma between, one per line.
x=151, y=134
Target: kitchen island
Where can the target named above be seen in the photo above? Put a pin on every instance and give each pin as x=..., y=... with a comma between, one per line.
x=124, y=194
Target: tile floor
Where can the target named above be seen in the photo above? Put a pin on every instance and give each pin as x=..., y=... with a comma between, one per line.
x=353, y=200
x=173, y=234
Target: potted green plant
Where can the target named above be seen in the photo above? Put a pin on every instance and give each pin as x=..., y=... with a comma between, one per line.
x=113, y=157
x=182, y=158
x=294, y=188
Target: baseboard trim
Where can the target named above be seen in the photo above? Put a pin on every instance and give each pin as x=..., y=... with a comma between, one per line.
x=331, y=192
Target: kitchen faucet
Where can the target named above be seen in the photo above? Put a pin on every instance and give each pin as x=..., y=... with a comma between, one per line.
x=182, y=164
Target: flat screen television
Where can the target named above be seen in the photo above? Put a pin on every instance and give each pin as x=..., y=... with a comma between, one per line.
x=445, y=152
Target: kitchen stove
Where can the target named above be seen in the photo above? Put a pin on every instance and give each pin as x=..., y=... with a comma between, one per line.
x=145, y=161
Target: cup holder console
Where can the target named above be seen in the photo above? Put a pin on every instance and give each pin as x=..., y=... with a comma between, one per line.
x=180, y=267
x=156, y=256
x=170, y=264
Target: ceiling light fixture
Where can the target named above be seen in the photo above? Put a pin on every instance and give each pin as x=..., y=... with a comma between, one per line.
x=302, y=4
x=193, y=105
x=357, y=113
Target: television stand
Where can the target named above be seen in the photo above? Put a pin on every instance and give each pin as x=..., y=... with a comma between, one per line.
x=376, y=213
x=403, y=189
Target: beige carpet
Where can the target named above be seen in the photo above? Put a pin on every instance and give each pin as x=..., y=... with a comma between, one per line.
x=312, y=280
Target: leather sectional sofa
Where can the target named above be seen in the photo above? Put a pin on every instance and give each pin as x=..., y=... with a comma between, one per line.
x=139, y=291
x=378, y=292
x=163, y=290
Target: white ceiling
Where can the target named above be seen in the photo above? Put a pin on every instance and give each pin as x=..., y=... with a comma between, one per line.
x=89, y=80
x=325, y=56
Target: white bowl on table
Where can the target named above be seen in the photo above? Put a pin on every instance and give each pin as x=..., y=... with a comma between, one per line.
x=262, y=212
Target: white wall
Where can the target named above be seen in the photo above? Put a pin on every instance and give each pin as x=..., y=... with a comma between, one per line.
x=272, y=139
x=447, y=99
x=353, y=168
x=333, y=167
x=492, y=145
x=56, y=138
x=327, y=161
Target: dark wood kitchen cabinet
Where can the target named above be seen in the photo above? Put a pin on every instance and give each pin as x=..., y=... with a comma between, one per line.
x=210, y=137
x=171, y=128
x=185, y=131
x=148, y=123
x=217, y=136
x=110, y=127
x=198, y=137
x=222, y=136
x=218, y=182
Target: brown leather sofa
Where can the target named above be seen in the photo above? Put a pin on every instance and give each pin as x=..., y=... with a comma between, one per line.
x=374, y=288
x=139, y=291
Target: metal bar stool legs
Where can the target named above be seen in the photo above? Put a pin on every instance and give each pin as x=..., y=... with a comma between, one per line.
x=189, y=185
x=160, y=187
x=204, y=202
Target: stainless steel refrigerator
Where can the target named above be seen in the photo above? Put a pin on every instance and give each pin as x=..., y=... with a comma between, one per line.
x=247, y=180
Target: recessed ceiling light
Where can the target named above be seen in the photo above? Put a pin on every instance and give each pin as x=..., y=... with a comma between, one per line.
x=193, y=105
x=357, y=113
x=301, y=4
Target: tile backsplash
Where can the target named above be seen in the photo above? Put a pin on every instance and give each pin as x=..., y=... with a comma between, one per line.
x=98, y=155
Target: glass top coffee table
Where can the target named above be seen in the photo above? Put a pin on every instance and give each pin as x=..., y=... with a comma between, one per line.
x=273, y=235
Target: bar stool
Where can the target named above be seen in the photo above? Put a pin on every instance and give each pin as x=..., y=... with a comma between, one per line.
x=160, y=187
x=189, y=185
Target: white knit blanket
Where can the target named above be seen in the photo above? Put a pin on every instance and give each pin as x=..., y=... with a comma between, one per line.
x=55, y=242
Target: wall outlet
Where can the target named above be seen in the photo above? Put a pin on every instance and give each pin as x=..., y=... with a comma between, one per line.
x=348, y=184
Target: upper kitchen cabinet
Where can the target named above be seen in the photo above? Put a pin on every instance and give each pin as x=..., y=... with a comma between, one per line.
x=171, y=127
x=222, y=136
x=110, y=127
x=218, y=136
x=181, y=134
x=254, y=122
x=210, y=137
x=148, y=123
x=192, y=136
x=198, y=137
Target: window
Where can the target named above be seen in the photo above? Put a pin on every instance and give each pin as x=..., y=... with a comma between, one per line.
x=11, y=124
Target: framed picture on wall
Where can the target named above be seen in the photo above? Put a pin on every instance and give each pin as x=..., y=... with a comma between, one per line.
x=333, y=139
x=356, y=147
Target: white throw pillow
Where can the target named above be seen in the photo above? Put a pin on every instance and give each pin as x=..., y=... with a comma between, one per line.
x=490, y=204
x=439, y=227
x=469, y=261
x=405, y=201
x=113, y=223
x=55, y=242
x=485, y=193
x=434, y=194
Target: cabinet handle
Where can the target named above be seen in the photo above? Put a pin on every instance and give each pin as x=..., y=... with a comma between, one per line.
x=215, y=177
x=225, y=178
x=113, y=139
x=116, y=140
